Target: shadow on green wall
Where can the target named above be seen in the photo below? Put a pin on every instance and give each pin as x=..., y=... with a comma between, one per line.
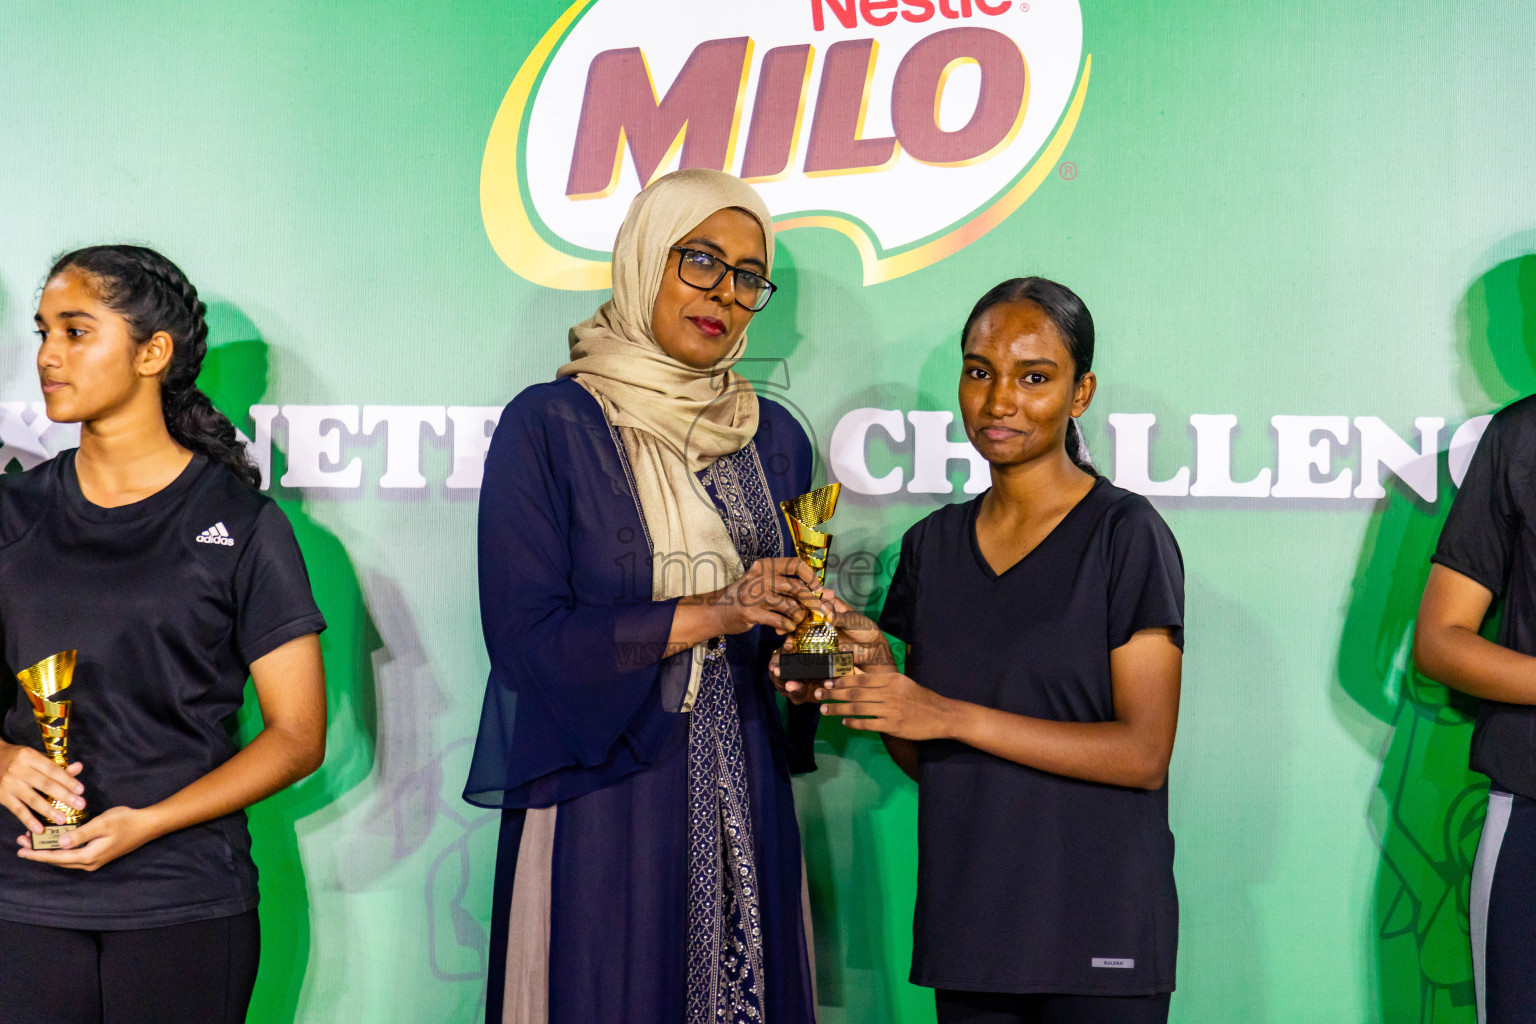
x=776, y=330
x=1427, y=811
x=858, y=831
x=235, y=376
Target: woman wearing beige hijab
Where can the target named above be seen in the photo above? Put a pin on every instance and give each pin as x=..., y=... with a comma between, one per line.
x=634, y=581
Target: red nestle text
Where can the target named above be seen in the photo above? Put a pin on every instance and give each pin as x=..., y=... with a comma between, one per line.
x=877, y=13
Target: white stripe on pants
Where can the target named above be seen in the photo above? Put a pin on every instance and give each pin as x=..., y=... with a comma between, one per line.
x=1499, y=805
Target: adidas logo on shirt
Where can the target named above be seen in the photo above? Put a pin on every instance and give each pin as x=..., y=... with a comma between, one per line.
x=216, y=534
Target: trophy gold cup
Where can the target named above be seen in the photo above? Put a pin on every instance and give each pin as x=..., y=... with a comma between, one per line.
x=816, y=654
x=43, y=683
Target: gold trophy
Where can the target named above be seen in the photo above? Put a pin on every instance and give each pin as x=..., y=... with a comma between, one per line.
x=816, y=654
x=43, y=682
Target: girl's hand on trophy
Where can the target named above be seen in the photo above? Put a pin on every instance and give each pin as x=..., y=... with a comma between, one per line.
x=796, y=691
x=858, y=633
x=891, y=703
x=98, y=842
x=30, y=782
x=769, y=593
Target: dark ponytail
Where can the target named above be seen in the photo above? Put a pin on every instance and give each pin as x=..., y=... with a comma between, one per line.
x=1073, y=323
x=152, y=294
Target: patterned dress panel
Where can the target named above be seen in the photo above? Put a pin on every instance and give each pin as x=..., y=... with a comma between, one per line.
x=725, y=938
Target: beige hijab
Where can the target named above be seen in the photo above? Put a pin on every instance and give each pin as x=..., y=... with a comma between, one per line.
x=674, y=420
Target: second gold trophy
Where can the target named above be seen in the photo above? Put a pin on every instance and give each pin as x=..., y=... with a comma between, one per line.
x=45, y=683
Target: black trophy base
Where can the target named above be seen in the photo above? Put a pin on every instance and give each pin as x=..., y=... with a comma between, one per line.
x=804, y=665
x=48, y=838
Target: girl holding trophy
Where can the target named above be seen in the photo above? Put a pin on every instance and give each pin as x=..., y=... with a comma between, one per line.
x=634, y=580
x=148, y=563
x=1043, y=624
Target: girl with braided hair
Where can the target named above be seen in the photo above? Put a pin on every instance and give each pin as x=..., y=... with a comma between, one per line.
x=151, y=552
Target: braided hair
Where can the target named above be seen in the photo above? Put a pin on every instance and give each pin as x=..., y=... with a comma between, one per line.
x=152, y=294
x=1074, y=324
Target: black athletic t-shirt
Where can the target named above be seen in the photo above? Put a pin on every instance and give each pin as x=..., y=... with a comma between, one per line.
x=1490, y=537
x=1029, y=881
x=168, y=600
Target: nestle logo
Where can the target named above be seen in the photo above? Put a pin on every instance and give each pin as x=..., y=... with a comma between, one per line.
x=884, y=12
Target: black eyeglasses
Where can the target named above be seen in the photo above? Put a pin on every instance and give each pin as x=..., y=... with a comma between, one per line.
x=699, y=269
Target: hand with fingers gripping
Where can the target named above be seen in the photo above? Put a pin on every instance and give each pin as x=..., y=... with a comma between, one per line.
x=106, y=837
x=30, y=782
x=874, y=697
x=887, y=702
x=772, y=592
x=857, y=633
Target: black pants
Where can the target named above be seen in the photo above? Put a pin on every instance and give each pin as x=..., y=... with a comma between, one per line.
x=200, y=972
x=1504, y=912
x=1004, y=1008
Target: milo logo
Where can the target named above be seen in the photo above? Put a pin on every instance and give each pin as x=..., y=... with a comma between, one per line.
x=910, y=126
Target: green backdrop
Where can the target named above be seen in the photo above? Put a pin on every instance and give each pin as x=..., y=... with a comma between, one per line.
x=1277, y=209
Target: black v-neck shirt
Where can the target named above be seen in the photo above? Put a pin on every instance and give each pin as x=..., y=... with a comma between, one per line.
x=1029, y=881
x=168, y=601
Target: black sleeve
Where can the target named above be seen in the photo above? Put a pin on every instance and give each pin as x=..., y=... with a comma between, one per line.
x=273, y=601
x=1146, y=574
x=901, y=597
x=1483, y=524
